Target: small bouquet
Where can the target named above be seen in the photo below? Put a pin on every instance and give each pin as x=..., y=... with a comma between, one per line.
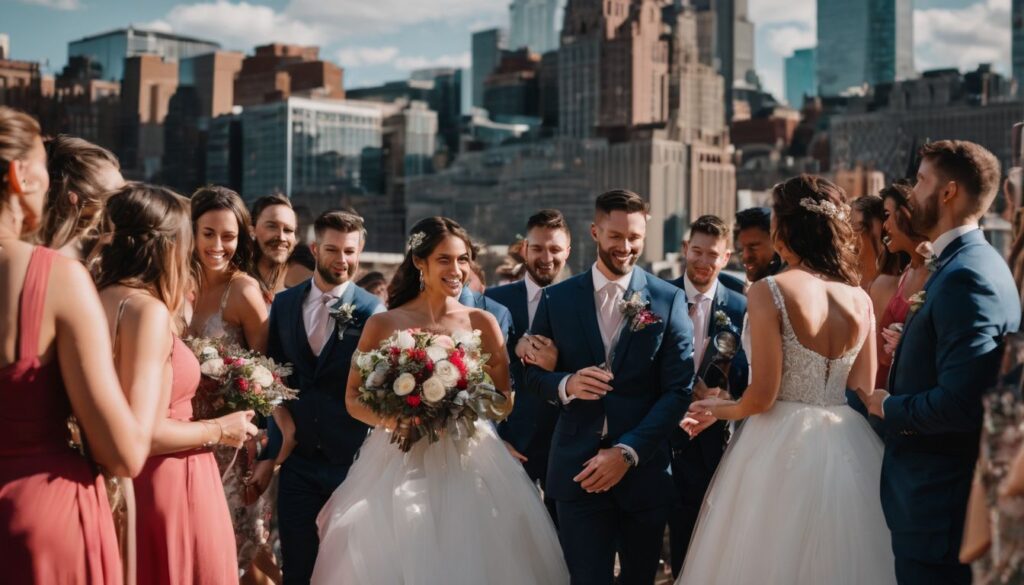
x=236, y=379
x=429, y=383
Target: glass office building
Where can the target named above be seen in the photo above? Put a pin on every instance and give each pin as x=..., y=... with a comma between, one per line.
x=800, y=77
x=863, y=42
x=109, y=50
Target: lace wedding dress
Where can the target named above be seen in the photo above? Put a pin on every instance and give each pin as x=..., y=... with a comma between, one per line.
x=454, y=512
x=796, y=498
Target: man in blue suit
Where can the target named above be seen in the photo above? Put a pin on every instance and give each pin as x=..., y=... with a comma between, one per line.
x=470, y=298
x=624, y=375
x=527, y=431
x=315, y=326
x=948, y=356
x=713, y=308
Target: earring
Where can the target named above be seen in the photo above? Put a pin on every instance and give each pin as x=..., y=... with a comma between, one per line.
x=422, y=285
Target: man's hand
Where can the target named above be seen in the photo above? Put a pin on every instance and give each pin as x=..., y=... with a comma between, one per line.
x=603, y=471
x=874, y=403
x=701, y=390
x=589, y=384
x=696, y=422
x=514, y=453
x=538, y=351
x=258, y=481
x=892, y=339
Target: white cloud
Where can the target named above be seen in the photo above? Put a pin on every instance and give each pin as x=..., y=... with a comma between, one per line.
x=363, y=56
x=241, y=25
x=963, y=37
x=770, y=11
x=367, y=17
x=56, y=4
x=789, y=37
x=460, y=60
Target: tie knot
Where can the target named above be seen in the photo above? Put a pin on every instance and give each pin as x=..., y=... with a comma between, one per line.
x=327, y=299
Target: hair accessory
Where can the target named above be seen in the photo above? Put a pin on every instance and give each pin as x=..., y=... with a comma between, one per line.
x=416, y=240
x=826, y=208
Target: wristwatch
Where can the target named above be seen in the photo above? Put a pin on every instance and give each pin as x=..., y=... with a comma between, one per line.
x=628, y=457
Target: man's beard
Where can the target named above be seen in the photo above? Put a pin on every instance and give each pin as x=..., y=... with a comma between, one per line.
x=329, y=277
x=697, y=280
x=925, y=217
x=545, y=279
x=270, y=257
x=764, y=270
x=609, y=261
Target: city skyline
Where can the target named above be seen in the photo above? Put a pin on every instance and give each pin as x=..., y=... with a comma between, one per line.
x=388, y=39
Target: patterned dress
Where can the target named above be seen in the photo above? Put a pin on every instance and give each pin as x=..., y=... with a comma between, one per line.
x=1001, y=440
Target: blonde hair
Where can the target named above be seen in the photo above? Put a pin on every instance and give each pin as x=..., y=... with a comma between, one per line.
x=18, y=132
x=73, y=165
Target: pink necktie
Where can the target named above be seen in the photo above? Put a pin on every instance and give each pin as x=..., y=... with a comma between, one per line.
x=700, y=327
x=321, y=319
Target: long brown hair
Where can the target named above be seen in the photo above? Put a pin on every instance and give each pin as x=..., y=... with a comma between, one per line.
x=405, y=286
x=214, y=198
x=145, y=243
x=825, y=242
x=73, y=164
x=872, y=209
x=18, y=132
x=267, y=285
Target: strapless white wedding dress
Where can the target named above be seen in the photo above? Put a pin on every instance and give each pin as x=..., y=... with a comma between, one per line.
x=795, y=500
x=454, y=512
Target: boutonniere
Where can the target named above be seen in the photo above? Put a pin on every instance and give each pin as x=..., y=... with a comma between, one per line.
x=917, y=301
x=928, y=251
x=344, y=315
x=638, y=311
x=722, y=320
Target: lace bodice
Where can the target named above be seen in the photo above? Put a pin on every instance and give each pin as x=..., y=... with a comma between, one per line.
x=808, y=376
x=216, y=328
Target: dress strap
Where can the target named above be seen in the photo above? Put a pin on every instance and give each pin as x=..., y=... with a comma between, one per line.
x=117, y=320
x=780, y=304
x=33, y=300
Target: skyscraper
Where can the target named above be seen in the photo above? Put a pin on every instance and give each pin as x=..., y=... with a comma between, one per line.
x=487, y=47
x=726, y=41
x=534, y=25
x=866, y=42
x=109, y=50
x=800, y=76
x=1017, y=26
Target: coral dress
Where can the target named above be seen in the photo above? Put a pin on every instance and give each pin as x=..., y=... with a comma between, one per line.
x=184, y=529
x=55, y=522
x=896, y=311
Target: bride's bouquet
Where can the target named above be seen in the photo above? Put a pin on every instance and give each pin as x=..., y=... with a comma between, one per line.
x=236, y=379
x=430, y=383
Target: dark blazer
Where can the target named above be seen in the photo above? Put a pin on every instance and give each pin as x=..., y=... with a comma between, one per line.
x=732, y=283
x=323, y=427
x=948, y=356
x=532, y=421
x=653, y=371
x=711, y=442
x=499, y=311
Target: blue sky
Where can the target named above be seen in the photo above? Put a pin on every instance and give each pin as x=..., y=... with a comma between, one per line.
x=381, y=40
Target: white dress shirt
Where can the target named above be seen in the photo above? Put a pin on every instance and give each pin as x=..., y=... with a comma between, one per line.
x=942, y=242
x=703, y=304
x=311, y=317
x=533, y=293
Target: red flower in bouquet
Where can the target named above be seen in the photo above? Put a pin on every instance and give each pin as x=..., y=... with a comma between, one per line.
x=413, y=400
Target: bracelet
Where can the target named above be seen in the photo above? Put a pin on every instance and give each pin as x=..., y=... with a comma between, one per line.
x=220, y=433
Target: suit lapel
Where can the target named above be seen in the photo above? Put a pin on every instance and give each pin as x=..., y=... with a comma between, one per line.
x=520, y=308
x=636, y=284
x=587, y=311
x=297, y=325
x=720, y=304
x=332, y=338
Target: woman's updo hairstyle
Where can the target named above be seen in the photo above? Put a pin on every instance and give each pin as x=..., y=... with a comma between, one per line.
x=812, y=219
x=423, y=238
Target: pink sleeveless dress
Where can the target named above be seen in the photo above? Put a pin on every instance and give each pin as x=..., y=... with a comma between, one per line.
x=184, y=529
x=896, y=311
x=55, y=522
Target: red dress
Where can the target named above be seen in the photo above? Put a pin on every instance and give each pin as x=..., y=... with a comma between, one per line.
x=55, y=522
x=895, y=312
x=184, y=529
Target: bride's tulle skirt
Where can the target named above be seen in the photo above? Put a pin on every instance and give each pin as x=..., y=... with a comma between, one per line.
x=455, y=512
x=795, y=501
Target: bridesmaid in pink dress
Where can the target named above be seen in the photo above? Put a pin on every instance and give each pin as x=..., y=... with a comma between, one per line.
x=894, y=305
x=183, y=530
x=55, y=522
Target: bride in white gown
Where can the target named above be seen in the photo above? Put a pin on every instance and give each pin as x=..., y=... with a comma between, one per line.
x=796, y=499
x=454, y=512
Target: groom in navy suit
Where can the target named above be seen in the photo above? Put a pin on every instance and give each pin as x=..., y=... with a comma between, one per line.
x=527, y=431
x=948, y=356
x=315, y=326
x=624, y=375
x=714, y=308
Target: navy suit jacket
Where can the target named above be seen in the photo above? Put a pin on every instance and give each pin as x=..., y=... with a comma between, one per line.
x=948, y=356
x=711, y=442
x=653, y=371
x=323, y=427
x=732, y=283
x=532, y=421
x=499, y=311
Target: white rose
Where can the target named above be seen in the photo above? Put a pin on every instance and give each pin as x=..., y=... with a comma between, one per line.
x=404, y=340
x=213, y=368
x=447, y=372
x=376, y=379
x=464, y=338
x=364, y=361
x=436, y=353
x=433, y=389
x=208, y=353
x=405, y=384
x=263, y=376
